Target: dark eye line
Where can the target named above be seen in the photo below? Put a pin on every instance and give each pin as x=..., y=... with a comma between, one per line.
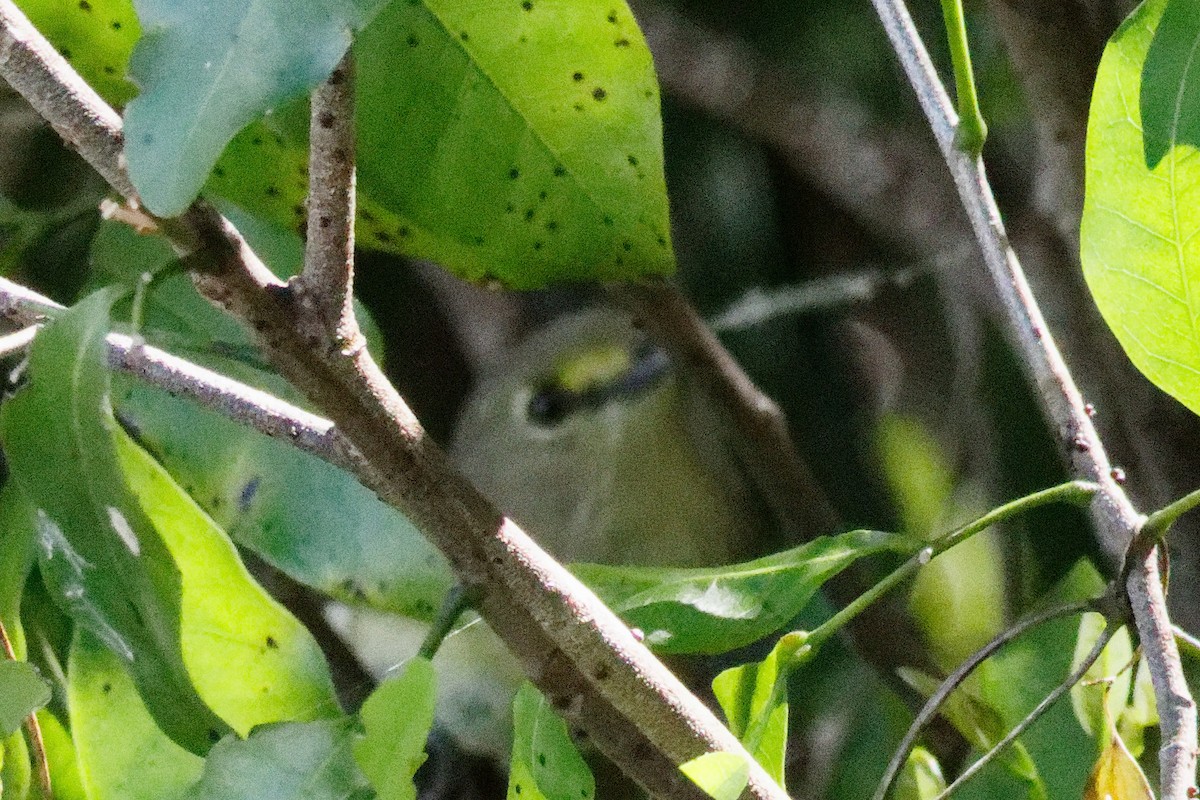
x=551, y=403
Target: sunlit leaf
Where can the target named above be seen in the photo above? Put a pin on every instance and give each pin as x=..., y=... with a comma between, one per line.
x=396, y=720
x=62, y=758
x=921, y=778
x=1138, y=242
x=1106, y=682
x=520, y=141
x=99, y=554
x=206, y=70
x=284, y=761
x=754, y=699
x=722, y=776
x=545, y=763
x=122, y=754
x=22, y=691
x=250, y=659
x=95, y=36
x=712, y=610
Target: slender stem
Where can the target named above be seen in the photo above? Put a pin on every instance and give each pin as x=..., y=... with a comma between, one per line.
x=1190, y=643
x=457, y=601
x=237, y=401
x=33, y=729
x=972, y=130
x=1156, y=525
x=326, y=282
x=1116, y=520
x=1076, y=492
x=956, y=678
x=1034, y=715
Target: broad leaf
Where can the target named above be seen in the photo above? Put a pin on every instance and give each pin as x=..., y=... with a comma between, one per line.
x=250, y=659
x=1106, y=682
x=545, y=762
x=22, y=691
x=286, y=761
x=206, y=70
x=311, y=520
x=122, y=754
x=754, y=699
x=99, y=554
x=520, y=141
x=96, y=36
x=1138, y=242
x=722, y=776
x=1141, y=713
x=396, y=720
x=713, y=610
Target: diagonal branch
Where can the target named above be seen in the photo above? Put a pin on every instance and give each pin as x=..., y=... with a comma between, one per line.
x=571, y=645
x=1111, y=511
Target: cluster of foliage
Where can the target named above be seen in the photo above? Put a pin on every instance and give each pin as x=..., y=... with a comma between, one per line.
x=519, y=144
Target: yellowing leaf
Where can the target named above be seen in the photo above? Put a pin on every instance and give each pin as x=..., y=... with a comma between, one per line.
x=1117, y=775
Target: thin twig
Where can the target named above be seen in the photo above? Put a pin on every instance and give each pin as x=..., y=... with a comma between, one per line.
x=1114, y=516
x=956, y=678
x=1034, y=715
x=582, y=657
x=241, y=403
x=33, y=728
x=326, y=283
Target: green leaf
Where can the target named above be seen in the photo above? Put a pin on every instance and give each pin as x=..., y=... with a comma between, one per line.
x=206, y=70
x=396, y=720
x=1170, y=91
x=921, y=778
x=1138, y=246
x=95, y=36
x=311, y=520
x=517, y=141
x=1141, y=713
x=545, y=762
x=18, y=533
x=1106, y=682
x=62, y=757
x=250, y=659
x=713, y=610
x=16, y=773
x=982, y=725
x=122, y=754
x=285, y=761
x=754, y=699
x=722, y=776
x=22, y=691
x=100, y=556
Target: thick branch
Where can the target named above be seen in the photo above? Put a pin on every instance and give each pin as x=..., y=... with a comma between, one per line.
x=572, y=647
x=1112, y=512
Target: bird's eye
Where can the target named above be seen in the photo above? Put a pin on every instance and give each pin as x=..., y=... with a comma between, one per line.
x=550, y=405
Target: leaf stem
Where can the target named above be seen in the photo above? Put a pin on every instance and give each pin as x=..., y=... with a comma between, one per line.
x=1157, y=524
x=1075, y=492
x=972, y=130
x=457, y=601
